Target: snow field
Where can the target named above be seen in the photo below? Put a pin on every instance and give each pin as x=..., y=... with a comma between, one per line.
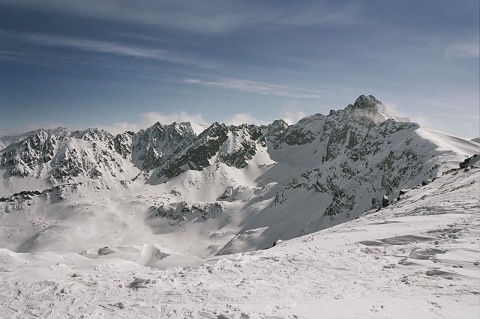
x=419, y=257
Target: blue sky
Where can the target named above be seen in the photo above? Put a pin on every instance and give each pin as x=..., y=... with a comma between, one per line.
x=122, y=65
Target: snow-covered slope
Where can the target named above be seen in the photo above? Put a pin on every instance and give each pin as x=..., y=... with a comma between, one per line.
x=175, y=220
x=47, y=158
x=223, y=190
x=416, y=258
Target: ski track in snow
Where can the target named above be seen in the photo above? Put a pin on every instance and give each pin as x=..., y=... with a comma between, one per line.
x=417, y=258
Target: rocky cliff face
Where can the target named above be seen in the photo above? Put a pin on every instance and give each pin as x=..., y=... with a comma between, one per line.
x=60, y=156
x=273, y=182
x=154, y=146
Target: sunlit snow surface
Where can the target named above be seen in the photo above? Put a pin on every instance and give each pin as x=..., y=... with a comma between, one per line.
x=417, y=258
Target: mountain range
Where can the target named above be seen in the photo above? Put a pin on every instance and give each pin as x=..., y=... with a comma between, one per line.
x=213, y=190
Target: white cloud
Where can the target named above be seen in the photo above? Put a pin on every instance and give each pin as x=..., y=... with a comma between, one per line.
x=256, y=87
x=244, y=118
x=422, y=119
x=445, y=105
x=147, y=119
x=50, y=40
x=292, y=113
x=120, y=127
x=393, y=110
x=319, y=14
x=293, y=116
x=150, y=118
x=461, y=125
x=465, y=49
x=208, y=17
x=461, y=116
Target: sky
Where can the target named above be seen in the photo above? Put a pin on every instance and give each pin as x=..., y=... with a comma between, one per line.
x=124, y=65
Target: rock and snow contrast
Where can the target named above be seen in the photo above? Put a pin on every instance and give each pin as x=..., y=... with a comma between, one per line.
x=370, y=216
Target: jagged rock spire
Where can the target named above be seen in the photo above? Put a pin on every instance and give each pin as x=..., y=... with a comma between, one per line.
x=366, y=102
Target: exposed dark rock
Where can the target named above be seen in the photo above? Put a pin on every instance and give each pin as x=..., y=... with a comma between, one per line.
x=366, y=102
x=105, y=251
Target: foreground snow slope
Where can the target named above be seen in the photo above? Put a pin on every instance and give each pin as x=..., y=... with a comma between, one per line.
x=417, y=258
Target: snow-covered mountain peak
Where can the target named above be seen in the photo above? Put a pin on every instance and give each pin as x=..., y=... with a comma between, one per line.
x=279, y=124
x=367, y=106
x=93, y=134
x=153, y=146
x=405, y=195
x=366, y=102
x=168, y=150
x=263, y=183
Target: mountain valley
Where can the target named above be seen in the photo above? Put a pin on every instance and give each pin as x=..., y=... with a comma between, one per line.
x=198, y=207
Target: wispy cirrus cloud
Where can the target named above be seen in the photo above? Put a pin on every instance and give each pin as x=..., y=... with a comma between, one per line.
x=207, y=16
x=464, y=49
x=104, y=47
x=256, y=87
x=452, y=46
x=445, y=105
x=470, y=116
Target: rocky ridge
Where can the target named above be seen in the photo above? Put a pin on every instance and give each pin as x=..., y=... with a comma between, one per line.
x=262, y=183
